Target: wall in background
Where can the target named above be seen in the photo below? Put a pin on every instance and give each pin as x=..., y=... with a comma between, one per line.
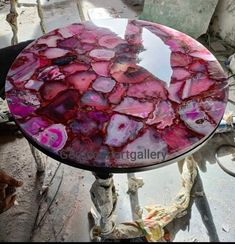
x=189, y=16
x=223, y=21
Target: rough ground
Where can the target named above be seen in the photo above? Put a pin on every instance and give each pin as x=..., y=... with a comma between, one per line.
x=66, y=202
x=16, y=159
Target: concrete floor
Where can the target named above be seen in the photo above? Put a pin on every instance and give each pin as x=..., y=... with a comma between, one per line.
x=210, y=217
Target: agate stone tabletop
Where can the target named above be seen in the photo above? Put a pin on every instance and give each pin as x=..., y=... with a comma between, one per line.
x=116, y=95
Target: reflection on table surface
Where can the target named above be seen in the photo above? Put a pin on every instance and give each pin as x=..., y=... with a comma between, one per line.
x=116, y=94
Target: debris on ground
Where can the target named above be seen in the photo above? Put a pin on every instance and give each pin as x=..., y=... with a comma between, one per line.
x=194, y=239
x=225, y=227
x=228, y=117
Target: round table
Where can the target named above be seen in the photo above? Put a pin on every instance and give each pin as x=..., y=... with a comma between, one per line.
x=116, y=95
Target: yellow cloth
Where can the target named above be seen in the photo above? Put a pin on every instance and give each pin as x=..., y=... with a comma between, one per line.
x=159, y=216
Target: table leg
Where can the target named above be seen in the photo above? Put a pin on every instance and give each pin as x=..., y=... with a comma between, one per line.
x=151, y=225
x=104, y=197
x=12, y=20
x=39, y=159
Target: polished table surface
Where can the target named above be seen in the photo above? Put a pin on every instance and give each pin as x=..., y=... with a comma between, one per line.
x=116, y=95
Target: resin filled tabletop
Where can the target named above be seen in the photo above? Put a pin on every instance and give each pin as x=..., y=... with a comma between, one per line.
x=117, y=94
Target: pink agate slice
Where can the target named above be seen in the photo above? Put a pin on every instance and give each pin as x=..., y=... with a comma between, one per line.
x=51, y=73
x=69, y=43
x=149, y=147
x=33, y=85
x=81, y=80
x=103, y=84
x=88, y=37
x=55, y=52
x=54, y=137
x=195, y=118
x=162, y=116
x=50, y=41
x=8, y=86
x=103, y=157
x=102, y=54
x=174, y=90
x=35, y=125
x=196, y=85
x=101, y=68
x=116, y=96
x=152, y=88
x=203, y=54
x=24, y=67
x=75, y=67
x=98, y=116
x=215, y=109
x=215, y=72
x=130, y=74
x=180, y=74
x=21, y=110
x=176, y=45
x=62, y=108
x=134, y=107
x=83, y=125
x=110, y=41
x=133, y=34
x=94, y=99
x=178, y=137
x=197, y=66
x=50, y=90
x=179, y=59
x=71, y=30
x=121, y=129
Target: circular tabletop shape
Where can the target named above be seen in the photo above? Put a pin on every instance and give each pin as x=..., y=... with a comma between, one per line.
x=116, y=95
